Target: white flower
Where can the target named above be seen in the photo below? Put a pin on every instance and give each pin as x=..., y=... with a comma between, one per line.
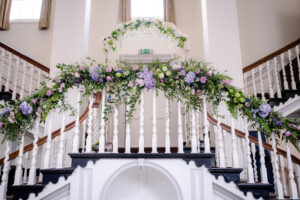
x=50, y=84
x=176, y=67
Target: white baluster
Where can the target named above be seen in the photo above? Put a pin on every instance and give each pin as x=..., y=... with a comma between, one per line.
x=127, y=138
x=83, y=135
x=285, y=83
x=253, y=82
x=18, y=173
x=26, y=160
x=5, y=171
x=154, y=128
x=297, y=170
x=88, y=147
x=14, y=94
x=261, y=83
x=115, y=139
x=277, y=79
x=32, y=171
x=235, y=157
x=8, y=72
x=206, y=136
x=39, y=79
x=77, y=123
x=291, y=70
x=198, y=130
x=180, y=136
x=271, y=92
x=23, y=80
x=248, y=155
x=141, y=137
x=59, y=162
x=245, y=83
x=102, y=124
x=292, y=184
x=31, y=80
x=278, y=185
x=217, y=157
x=282, y=172
x=2, y=67
x=298, y=60
x=48, y=144
x=220, y=144
x=263, y=169
x=194, y=139
x=167, y=140
x=253, y=151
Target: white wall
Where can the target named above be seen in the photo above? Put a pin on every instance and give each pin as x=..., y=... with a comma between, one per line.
x=266, y=26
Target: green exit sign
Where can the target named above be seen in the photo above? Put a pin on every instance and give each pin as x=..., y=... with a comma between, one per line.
x=145, y=51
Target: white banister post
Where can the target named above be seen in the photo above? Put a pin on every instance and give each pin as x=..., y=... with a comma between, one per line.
x=31, y=79
x=248, y=155
x=39, y=79
x=277, y=182
x=235, y=157
x=88, y=148
x=282, y=172
x=18, y=173
x=102, y=124
x=26, y=160
x=83, y=135
x=206, y=136
x=141, y=136
x=261, y=83
x=127, y=137
x=292, y=184
x=59, y=162
x=194, y=139
x=75, y=146
x=115, y=138
x=154, y=128
x=23, y=80
x=297, y=171
x=285, y=83
x=8, y=72
x=2, y=67
x=245, y=83
x=291, y=70
x=32, y=171
x=277, y=78
x=271, y=92
x=253, y=151
x=298, y=60
x=5, y=171
x=263, y=169
x=198, y=130
x=180, y=136
x=48, y=144
x=167, y=140
x=14, y=94
x=220, y=144
x=253, y=82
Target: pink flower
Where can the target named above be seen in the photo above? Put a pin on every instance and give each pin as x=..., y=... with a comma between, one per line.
x=109, y=69
x=57, y=80
x=229, y=82
x=33, y=101
x=210, y=73
x=10, y=120
x=135, y=67
x=1, y=124
x=77, y=75
x=197, y=71
x=39, y=110
x=59, y=89
x=203, y=79
x=12, y=115
x=109, y=146
x=49, y=93
x=108, y=78
x=62, y=85
x=288, y=134
x=116, y=69
x=130, y=84
x=81, y=68
x=140, y=82
x=282, y=131
x=182, y=72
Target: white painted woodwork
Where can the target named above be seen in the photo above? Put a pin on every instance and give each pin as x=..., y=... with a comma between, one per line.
x=291, y=70
x=88, y=147
x=220, y=145
x=83, y=135
x=26, y=163
x=39, y=79
x=263, y=169
x=34, y=152
x=18, y=173
x=154, y=124
x=127, y=137
x=2, y=66
x=23, y=80
x=261, y=82
x=167, y=124
x=282, y=173
x=142, y=126
x=253, y=82
x=77, y=123
x=235, y=157
x=292, y=184
x=115, y=136
x=206, y=134
x=10, y=56
x=253, y=151
x=215, y=128
x=297, y=171
x=248, y=155
x=31, y=80
x=277, y=78
x=277, y=182
x=102, y=124
x=14, y=94
x=271, y=92
x=285, y=83
x=298, y=60
x=47, y=154
x=5, y=171
x=180, y=136
x=245, y=82
x=194, y=139
x=59, y=162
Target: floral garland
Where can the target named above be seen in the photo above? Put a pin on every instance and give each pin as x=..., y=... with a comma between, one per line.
x=124, y=84
x=165, y=28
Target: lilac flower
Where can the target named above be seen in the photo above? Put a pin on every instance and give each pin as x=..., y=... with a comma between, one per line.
x=140, y=82
x=62, y=85
x=190, y=77
x=78, y=81
x=60, y=90
x=254, y=111
x=1, y=125
x=109, y=69
x=278, y=123
x=210, y=73
x=57, y=80
x=162, y=80
x=10, y=120
x=95, y=73
x=77, y=75
x=116, y=68
x=264, y=110
x=26, y=108
x=108, y=78
x=197, y=71
x=203, y=79
x=247, y=105
x=49, y=93
x=182, y=72
x=5, y=112
x=81, y=68
x=148, y=78
x=135, y=68
x=33, y=101
x=288, y=134
x=282, y=131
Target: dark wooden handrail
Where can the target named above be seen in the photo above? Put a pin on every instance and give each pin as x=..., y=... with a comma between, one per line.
x=270, y=56
x=26, y=58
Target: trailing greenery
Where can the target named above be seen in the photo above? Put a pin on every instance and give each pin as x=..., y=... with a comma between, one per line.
x=184, y=82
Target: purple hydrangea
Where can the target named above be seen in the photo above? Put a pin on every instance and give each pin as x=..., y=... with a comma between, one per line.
x=5, y=112
x=148, y=78
x=264, y=110
x=26, y=108
x=95, y=73
x=33, y=101
x=190, y=77
x=278, y=123
x=254, y=111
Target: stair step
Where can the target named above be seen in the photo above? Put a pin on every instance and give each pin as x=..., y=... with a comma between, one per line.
x=258, y=189
x=52, y=175
x=23, y=191
x=229, y=174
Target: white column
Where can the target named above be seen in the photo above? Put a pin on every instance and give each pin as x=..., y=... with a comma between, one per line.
x=269, y=80
x=292, y=70
x=283, y=177
x=88, y=148
x=263, y=169
x=18, y=173
x=253, y=151
x=206, y=136
x=154, y=128
x=180, y=136
x=102, y=124
x=14, y=94
x=261, y=83
x=5, y=171
x=167, y=139
x=194, y=139
x=46, y=164
x=235, y=157
x=285, y=83
x=77, y=123
x=277, y=182
x=8, y=72
x=32, y=171
x=59, y=162
x=127, y=137
x=115, y=139
x=292, y=184
x=220, y=144
x=141, y=137
x=277, y=78
x=248, y=155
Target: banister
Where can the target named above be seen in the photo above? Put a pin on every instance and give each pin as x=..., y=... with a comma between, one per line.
x=270, y=56
x=56, y=133
x=26, y=58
